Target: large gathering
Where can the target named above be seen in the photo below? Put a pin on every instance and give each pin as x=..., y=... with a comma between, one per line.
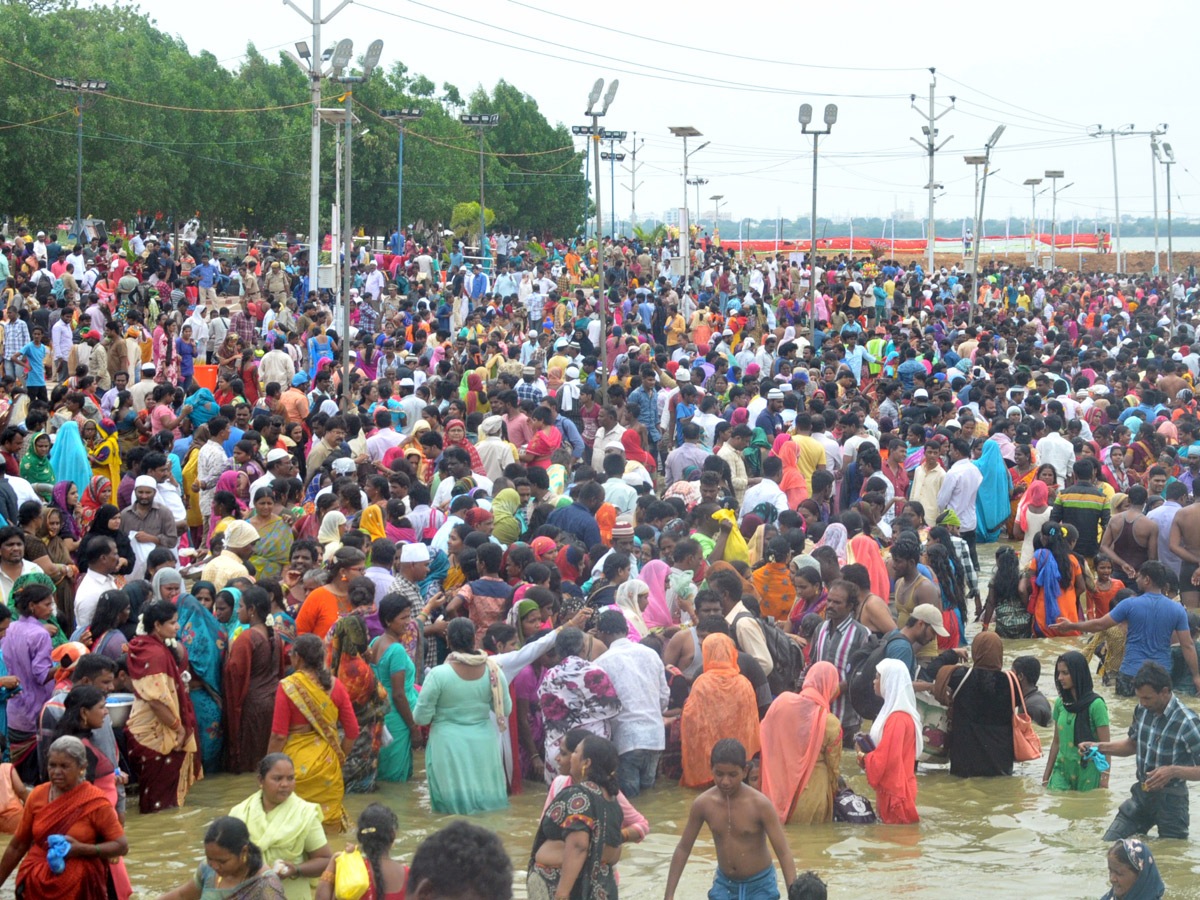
x=424, y=479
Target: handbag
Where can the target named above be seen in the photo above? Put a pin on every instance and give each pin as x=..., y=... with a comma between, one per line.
x=351, y=879
x=1026, y=744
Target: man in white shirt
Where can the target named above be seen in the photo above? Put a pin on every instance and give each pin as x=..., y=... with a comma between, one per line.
x=608, y=434
x=959, y=490
x=277, y=366
x=638, y=677
x=1056, y=449
x=103, y=560
x=376, y=281
x=616, y=491
x=767, y=490
x=279, y=465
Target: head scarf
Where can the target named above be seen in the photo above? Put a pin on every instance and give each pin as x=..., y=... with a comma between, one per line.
x=164, y=577
x=992, y=502
x=720, y=705
x=519, y=611
x=568, y=561
x=1079, y=701
x=371, y=522
x=792, y=483
x=949, y=518
x=490, y=427
x=505, y=526
x=987, y=652
x=228, y=481
x=740, y=416
x=1037, y=494
x=464, y=444
x=541, y=545
x=633, y=449
x=865, y=551
x=69, y=457
x=554, y=379
x=793, y=733
x=37, y=469
x=1149, y=884
x=898, y=697
x=656, y=614
x=627, y=601
x=329, y=536
x=90, y=501
x=836, y=538
x=477, y=516
x=58, y=500
x=204, y=406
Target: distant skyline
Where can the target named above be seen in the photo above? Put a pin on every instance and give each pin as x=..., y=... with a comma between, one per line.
x=740, y=79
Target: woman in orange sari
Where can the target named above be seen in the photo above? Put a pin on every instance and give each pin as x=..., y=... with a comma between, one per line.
x=309, y=706
x=1023, y=474
x=161, y=731
x=793, y=483
x=67, y=805
x=1054, y=582
x=720, y=705
x=802, y=749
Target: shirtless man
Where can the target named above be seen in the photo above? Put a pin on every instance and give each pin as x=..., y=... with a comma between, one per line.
x=872, y=609
x=683, y=649
x=1184, y=542
x=742, y=821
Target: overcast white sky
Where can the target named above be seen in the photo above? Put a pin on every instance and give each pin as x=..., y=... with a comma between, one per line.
x=1045, y=70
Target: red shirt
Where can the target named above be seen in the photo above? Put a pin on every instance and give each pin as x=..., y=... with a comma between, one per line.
x=286, y=714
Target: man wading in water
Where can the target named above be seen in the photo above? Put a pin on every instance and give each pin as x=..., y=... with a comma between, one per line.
x=741, y=820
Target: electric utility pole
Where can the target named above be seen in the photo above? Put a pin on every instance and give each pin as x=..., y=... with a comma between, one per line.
x=931, y=147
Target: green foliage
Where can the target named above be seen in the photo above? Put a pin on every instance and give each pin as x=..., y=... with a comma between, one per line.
x=164, y=156
x=464, y=221
x=652, y=236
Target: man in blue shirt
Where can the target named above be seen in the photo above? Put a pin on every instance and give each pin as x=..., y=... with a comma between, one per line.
x=1153, y=619
x=206, y=275
x=579, y=519
x=566, y=426
x=645, y=396
x=910, y=368
x=34, y=353
x=923, y=626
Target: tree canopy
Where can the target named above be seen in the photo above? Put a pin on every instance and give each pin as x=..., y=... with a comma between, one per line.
x=154, y=144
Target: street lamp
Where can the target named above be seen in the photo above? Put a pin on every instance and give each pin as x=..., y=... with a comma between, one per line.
x=1166, y=156
x=697, y=183
x=716, y=199
x=341, y=59
x=400, y=116
x=79, y=88
x=831, y=114
x=1032, y=183
x=987, y=157
x=685, y=132
x=479, y=123
x=1053, y=175
x=595, y=134
x=613, y=159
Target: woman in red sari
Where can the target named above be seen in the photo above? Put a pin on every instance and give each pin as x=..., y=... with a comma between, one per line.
x=255, y=664
x=545, y=440
x=162, y=725
x=632, y=443
x=456, y=436
x=70, y=806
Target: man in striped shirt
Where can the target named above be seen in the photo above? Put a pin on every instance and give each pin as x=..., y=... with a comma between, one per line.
x=1084, y=506
x=837, y=639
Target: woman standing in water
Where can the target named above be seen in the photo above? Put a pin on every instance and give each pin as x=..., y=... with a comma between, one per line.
x=1080, y=714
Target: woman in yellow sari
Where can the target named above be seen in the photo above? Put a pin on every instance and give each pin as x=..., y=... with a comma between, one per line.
x=371, y=523
x=104, y=454
x=309, y=706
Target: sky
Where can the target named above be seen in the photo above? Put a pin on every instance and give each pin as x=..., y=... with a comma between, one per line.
x=1047, y=72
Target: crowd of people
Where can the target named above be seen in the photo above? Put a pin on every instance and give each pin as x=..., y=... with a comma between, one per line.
x=717, y=530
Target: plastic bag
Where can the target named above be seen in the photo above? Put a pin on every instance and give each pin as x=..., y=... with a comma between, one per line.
x=141, y=552
x=351, y=879
x=736, y=547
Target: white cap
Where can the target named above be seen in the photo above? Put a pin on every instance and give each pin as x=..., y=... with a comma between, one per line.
x=683, y=374
x=954, y=423
x=774, y=394
x=414, y=553
x=344, y=466
x=920, y=394
x=145, y=481
x=407, y=382
x=277, y=454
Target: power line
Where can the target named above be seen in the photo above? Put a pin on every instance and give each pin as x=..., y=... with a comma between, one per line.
x=1014, y=105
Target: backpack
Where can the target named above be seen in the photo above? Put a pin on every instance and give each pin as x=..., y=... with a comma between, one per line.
x=860, y=684
x=43, y=289
x=787, y=659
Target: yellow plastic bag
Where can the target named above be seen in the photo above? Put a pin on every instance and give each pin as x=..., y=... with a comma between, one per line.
x=351, y=879
x=736, y=548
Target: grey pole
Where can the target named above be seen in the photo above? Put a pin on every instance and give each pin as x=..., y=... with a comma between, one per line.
x=831, y=114
x=346, y=269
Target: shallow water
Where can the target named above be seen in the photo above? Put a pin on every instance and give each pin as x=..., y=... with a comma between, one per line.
x=1007, y=835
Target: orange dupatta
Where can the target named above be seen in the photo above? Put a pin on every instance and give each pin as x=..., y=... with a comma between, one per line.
x=793, y=733
x=721, y=705
x=864, y=551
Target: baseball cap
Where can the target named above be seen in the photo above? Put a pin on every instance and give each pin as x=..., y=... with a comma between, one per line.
x=920, y=394
x=683, y=374
x=928, y=613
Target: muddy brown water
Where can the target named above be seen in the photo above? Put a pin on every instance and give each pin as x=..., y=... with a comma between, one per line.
x=1005, y=836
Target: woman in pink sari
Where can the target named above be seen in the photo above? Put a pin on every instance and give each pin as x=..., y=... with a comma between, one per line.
x=656, y=614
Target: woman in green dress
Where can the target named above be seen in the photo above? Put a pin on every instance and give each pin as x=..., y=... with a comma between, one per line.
x=458, y=701
x=233, y=868
x=1080, y=714
x=396, y=672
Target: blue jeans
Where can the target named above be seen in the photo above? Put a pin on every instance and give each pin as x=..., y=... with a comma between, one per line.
x=637, y=770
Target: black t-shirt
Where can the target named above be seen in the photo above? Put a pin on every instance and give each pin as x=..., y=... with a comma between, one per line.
x=754, y=673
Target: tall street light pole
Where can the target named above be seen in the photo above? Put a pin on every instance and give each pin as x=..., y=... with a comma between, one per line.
x=312, y=67
x=341, y=59
x=685, y=132
x=1154, y=135
x=612, y=159
x=1100, y=131
x=400, y=116
x=479, y=123
x=596, y=134
x=931, y=147
x=697, y=183
x=831, y=114
x=79, y=88
x=1054, y=175
x=1166, y=156
x=716, y=199
x=986, y=162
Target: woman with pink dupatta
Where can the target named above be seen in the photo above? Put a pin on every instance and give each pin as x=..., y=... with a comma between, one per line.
x=802, y=749
x=656, y=614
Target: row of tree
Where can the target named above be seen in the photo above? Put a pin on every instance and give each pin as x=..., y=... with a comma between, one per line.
x=165, y=155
